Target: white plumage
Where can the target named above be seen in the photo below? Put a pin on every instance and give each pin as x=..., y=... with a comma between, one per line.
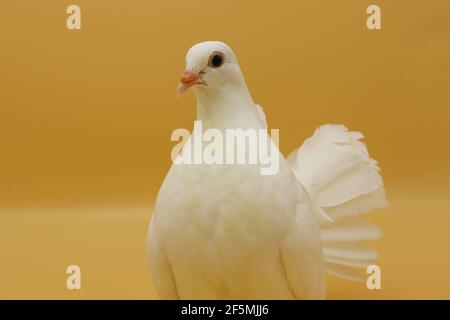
x=228, y=232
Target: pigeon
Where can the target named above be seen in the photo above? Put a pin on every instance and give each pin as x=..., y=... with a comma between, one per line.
x=226, y=231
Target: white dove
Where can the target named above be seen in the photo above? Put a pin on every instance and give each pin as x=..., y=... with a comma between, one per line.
x=228, y=232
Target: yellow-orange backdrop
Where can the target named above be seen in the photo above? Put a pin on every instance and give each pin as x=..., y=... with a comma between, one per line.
x=86, y=117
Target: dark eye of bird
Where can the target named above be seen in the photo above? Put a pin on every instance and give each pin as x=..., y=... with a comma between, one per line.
x=216, y=60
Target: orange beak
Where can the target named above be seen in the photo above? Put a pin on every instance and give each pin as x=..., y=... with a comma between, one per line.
x=188, y=79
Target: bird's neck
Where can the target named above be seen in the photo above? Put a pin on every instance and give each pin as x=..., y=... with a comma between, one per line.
x=227, y=107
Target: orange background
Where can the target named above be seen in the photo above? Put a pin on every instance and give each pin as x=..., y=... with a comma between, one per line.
x=86, y=118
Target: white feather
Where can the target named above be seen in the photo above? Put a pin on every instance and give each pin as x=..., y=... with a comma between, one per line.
x=359, y=205
x=343, y=182
x=352, y=229
x=349, y=250
x=351, y=263
x=344, y=272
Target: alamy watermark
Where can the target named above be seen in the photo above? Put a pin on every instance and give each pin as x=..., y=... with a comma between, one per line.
x=73, y=281
x=227, y=147
x=73, y=21
x=374, y=278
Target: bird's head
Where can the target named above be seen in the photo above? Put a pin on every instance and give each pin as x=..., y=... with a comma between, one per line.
x=210, y=65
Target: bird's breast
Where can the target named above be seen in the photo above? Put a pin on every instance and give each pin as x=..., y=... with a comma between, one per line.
x=222, y=222
x=224, y=206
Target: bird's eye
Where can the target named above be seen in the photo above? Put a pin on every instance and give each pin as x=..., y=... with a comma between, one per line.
x=216, y=60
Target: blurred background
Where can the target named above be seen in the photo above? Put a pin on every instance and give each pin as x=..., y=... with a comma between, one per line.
x=86, y=117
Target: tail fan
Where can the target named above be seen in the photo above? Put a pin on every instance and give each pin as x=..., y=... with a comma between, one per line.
x=343, y=183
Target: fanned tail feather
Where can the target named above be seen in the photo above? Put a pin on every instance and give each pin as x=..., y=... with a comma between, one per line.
x=343, y=183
